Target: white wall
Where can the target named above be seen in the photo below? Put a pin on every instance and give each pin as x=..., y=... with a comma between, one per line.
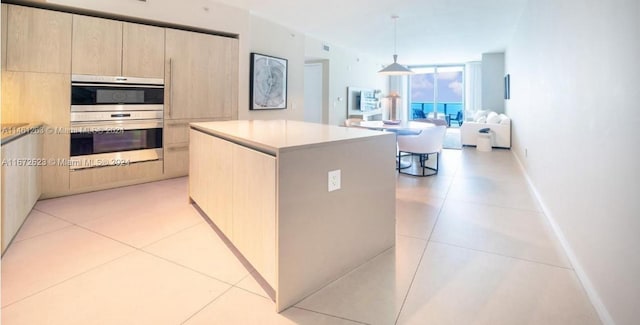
x=348, y=68
x=273, y=39
x=574, y=103
x=493, y=82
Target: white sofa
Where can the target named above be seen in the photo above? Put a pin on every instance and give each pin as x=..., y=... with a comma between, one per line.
x=499, y=124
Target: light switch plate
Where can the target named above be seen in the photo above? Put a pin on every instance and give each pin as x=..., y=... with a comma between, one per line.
x=334, y=180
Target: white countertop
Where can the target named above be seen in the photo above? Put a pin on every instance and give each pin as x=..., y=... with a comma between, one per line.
x=273, y=136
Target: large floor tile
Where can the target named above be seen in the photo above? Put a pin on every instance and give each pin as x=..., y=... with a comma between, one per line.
x=143, y=228
x=201, y=249
x=32, y=265
x=38, y=223
x=482, y=190
x=422, y=188
x=135, y=289
x=374, y=292
x=135, y=199
x=506, y=231
x=249, y=283
x=460, y=286
x=240, y=307
x=415, y=218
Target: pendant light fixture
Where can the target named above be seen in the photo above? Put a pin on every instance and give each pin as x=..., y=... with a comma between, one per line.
x=395, y=69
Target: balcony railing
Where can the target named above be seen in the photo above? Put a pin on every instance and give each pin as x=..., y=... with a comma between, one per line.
x=444, y=109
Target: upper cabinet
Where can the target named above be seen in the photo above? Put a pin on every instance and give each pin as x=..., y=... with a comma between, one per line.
x=97, y=46
x=142, y=51
x=39, y=40
x=114, y=48
x=202, y=76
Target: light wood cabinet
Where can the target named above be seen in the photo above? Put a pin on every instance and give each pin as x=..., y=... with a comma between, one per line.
x=92, y=179
x=39, y=41
x=3, y=21
x=214, y=201
x=254, y=209
x=20, y=182
x=51, y=106
x=142, y=51
x=176, y=160
x=242, y=203
x=202, y=76
x=176, y=147
x=115, y=48
x=97, y=46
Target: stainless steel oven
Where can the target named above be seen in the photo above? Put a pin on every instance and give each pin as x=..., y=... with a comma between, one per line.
x=115, y=120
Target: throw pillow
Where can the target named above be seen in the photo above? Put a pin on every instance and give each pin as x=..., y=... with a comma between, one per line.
x=504, y=120
x=479, y=114
x=482, y=119
x=493, y=118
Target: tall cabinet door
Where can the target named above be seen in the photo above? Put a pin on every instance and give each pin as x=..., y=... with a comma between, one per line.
x=202, y=78
x=142, y=51
x=3, y=29
x=97, y=46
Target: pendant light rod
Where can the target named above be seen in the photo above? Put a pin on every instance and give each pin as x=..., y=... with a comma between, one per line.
x=395, y=36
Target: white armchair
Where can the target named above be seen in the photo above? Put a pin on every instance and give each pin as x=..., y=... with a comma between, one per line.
x=428, y=142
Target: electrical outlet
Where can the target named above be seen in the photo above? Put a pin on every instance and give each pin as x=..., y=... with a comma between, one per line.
x=334, y=180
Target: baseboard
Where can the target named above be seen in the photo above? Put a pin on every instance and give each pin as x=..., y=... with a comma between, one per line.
x=592, y=294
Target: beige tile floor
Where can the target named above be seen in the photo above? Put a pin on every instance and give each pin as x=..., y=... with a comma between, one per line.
x=472, y=247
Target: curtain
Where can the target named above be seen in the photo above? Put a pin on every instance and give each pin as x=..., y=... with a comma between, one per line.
x=473, y=88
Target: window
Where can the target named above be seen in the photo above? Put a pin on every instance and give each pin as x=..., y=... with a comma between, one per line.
x=436, y=91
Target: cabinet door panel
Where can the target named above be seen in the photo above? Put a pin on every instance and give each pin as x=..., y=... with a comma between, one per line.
x=39, y=41
x=97, y=46
x=50, y=106
x=20, y=184
x=254, y=209
x=3, y=21
x=203, y=75
x=142, y=51
x=176, y=131
x=210, y=179
x=176, y=160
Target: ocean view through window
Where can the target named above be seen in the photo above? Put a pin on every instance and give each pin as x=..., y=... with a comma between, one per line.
x=436, y=91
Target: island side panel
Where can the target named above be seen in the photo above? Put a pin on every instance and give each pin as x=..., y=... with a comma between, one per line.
x=323, y=235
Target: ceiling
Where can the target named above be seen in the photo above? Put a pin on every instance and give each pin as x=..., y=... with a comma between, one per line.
x=429, y=31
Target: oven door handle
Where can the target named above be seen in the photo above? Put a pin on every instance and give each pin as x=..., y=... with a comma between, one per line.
x=119, y=85
x=113, y=126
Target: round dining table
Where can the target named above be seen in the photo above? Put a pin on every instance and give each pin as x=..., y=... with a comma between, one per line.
x=401, y=128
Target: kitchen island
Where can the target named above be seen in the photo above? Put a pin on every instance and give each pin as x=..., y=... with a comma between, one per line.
x=303, y=203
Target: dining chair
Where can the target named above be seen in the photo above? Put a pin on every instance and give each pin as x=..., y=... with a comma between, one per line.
x=428, y=142
x=455, y=117
x=351, y=121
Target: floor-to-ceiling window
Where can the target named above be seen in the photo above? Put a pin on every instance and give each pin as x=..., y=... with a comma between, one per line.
x=436, y=91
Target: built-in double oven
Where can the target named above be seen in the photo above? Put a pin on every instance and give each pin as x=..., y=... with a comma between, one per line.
x=115, y=120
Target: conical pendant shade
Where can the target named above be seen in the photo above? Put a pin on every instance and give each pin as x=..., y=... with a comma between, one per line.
x=395, y=69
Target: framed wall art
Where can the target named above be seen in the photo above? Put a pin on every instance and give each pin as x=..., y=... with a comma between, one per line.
x=268, y=84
